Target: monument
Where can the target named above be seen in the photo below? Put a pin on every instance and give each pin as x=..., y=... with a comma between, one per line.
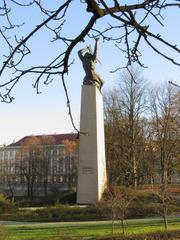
x=92, y=166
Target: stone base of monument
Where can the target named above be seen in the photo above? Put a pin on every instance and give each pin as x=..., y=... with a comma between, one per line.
x=92, y=165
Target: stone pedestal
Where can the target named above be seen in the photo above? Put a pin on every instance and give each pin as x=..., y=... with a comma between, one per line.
x=92, y=165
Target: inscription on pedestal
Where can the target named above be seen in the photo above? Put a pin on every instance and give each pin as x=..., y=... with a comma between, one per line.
x=87, y=170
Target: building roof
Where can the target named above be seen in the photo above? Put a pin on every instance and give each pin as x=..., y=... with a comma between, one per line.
x=56, y=139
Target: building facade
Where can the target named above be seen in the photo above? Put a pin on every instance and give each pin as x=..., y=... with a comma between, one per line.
x=39, y=165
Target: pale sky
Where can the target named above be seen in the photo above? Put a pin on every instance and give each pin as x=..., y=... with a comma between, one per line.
x=46, y=113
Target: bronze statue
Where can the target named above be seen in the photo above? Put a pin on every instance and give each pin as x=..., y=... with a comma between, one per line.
x=89, y=60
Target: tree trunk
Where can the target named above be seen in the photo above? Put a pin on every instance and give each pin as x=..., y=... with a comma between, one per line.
x=165, y=217
x=122, y=226
x=45, y=187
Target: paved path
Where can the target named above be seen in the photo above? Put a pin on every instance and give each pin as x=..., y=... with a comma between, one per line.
x=13, y=223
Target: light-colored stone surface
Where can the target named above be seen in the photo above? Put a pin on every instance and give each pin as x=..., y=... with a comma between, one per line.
x=92, y=166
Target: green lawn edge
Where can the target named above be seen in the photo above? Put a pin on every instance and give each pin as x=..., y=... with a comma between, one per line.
x=89, y=230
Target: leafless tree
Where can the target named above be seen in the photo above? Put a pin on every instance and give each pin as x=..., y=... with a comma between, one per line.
x=29, y=158
x=165, y=129
x=165, y=198
x=128, y=25
x=113, y=137
x=71, y=148
x=115, y=204
x=124, y=127
x=11, y=185
x=165, y=136
x=133, y=104
x=45, y=154
x=7, y=177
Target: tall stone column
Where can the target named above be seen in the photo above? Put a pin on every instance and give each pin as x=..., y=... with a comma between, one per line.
x=92, y=165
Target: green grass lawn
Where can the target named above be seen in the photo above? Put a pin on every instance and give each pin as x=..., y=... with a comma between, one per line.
x=83, y=230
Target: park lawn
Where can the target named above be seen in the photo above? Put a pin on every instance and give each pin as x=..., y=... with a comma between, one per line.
x=56, y=231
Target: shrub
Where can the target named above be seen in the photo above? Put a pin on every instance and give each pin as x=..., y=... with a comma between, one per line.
x=56, y=213
x=141, y=210
x=151, y=236
x=6, y=205
x=35, y=201
x=68, y=198
x=3, y=233
x=68, y=213
x=65, y=197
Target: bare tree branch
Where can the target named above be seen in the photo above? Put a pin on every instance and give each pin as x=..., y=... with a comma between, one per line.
x=126, y=27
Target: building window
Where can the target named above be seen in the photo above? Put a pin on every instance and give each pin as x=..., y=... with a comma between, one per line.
x=60, y=179
x=11, y=153
x=17, y=179
x=49, y=179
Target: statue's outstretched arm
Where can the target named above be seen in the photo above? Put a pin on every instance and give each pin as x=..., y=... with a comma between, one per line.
x=95, y=49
